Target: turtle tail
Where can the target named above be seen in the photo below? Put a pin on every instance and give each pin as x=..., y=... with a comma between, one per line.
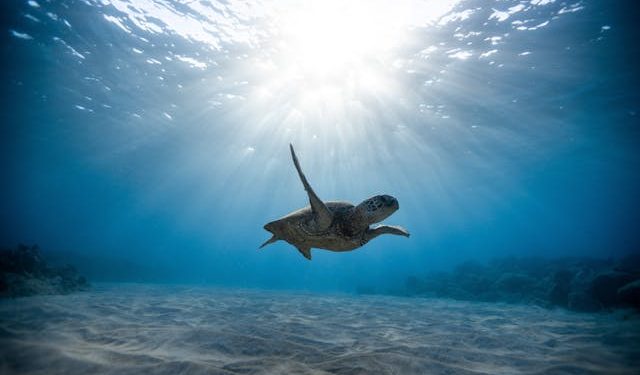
x=270, y=240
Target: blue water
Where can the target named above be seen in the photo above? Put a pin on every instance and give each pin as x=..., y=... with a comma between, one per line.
x=148, y=140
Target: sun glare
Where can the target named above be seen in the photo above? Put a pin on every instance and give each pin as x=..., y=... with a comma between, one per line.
x=326, y=39
x=348, y=46
x=329, y=65
x=327, y=53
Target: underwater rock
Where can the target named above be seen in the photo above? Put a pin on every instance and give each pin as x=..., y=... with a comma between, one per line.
x=629, y=264
x=630, y=294
x=604, y=287
x=514, y=283
x=559, y=294
x=24, y=272
x=580, y=284
x=582, y=301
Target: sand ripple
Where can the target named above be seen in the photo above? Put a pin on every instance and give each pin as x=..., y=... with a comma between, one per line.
x=133, y=329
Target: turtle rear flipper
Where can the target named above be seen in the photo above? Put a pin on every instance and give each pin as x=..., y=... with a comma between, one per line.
x=270, y=240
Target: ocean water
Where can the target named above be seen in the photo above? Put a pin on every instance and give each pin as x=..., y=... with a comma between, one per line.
x=146, y=142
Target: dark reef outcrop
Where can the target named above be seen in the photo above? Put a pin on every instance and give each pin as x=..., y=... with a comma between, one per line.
x=24, y=272
x=580, y=284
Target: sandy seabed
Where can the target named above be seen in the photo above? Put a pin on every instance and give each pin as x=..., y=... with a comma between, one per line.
x=142, y=329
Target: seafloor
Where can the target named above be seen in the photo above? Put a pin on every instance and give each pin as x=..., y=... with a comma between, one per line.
x=135, y=329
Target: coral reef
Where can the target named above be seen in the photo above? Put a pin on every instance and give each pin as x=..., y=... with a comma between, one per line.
x=24, y=272
x=580, y=284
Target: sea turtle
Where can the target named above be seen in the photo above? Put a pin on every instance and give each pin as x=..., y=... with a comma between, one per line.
x=333, y=225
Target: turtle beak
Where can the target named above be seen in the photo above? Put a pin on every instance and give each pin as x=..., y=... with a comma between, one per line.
x=390, y=201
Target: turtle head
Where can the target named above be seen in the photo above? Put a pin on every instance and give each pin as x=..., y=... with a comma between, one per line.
x=378, y=208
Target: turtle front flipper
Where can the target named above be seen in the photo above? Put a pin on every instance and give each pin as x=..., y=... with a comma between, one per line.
x=384, y=229
x=322, y=215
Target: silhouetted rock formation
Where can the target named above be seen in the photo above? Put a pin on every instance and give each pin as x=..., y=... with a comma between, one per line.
x=580, y=284
x=23, y=272
x=630, y=294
